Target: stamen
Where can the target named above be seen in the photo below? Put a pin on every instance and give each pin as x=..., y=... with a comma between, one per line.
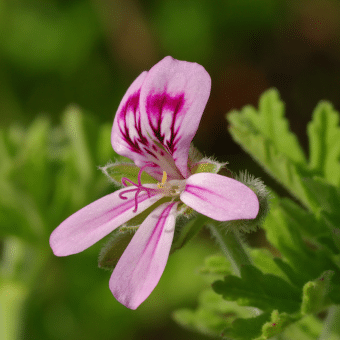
x=161, y=185
x=139, y=186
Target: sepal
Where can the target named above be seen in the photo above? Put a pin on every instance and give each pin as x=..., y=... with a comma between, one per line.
x=114, y=248
x=185, y=230
x=116, y=171
x=207, y=165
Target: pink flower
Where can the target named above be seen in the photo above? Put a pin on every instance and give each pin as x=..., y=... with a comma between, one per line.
x=154, y=126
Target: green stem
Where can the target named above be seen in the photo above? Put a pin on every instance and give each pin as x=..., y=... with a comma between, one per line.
x=331, y=329
x=232, y=247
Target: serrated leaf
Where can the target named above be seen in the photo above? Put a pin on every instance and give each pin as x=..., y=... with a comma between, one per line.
x=308, y=328
x=246, y=329
x=264, y=260
x=278, y=322
x=264, y=291
x=282, y=230
x=270, y=121
x=291, y=274
x=327, y=195
x=215, y=267
x=315, y=294
x=212, y=315
x=324, y=136
x=264, y=134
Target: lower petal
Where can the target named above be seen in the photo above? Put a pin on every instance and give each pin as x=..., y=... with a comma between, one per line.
x=220, y=198
x=143, y=261
x=91, y=223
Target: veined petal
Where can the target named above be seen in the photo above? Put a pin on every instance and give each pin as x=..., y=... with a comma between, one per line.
x=172, y=100
x=91, y=223
x=127, y=138
x=219, y=197
x=143, y=261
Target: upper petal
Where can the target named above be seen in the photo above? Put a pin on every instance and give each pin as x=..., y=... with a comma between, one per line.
x=219, y=197
x=91, y=223
x=127, y=138
x=172, y=100
x=143, y=261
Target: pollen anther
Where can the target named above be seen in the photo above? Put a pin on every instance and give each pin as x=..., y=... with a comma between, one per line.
x=164, y=178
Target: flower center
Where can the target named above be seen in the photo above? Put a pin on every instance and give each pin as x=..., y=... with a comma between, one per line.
x=171, y=188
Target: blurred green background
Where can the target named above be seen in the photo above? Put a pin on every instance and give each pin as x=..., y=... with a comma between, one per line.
x=54, y=53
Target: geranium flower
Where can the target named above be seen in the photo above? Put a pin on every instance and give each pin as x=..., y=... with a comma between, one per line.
x=154, y=126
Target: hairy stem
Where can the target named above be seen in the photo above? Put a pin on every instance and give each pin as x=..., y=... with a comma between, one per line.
x=231, y=246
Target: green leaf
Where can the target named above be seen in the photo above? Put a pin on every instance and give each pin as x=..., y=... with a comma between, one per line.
x=278, y=322
x=315, y=294
x=74, y=125
x=215, y=267
x=308, y=328
x=104, y=151
x=213, y=314
x=282, y=230
x=264, y=260
x=264, y=134
x=291, y=274
x=264, y=291
x=31, y=171
x=324, y=146
x=326, y=195
x=314, y=229
x=245, y=329
x=270, y=122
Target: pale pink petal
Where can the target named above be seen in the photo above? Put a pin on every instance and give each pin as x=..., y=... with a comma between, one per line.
x=143, y=261
x=172, y=100
x=91, y=223
x=220, y=198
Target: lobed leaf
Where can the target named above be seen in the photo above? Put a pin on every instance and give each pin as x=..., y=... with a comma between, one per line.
x=264, y=291
x=324, y=146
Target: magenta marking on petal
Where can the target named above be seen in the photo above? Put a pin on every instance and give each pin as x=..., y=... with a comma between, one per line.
x=124, y=207
x=151, y=153
x=159, y=226
x=132, y=104
x=156, y=105
x=200, y=192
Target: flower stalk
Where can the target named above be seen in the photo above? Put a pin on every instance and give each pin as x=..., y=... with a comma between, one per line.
x=231, y=246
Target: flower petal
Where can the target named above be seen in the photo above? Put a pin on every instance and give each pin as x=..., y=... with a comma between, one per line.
x=91, y=223
x=172, y=100
x=219, y=197
x=127, y=138
x=143, y=261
